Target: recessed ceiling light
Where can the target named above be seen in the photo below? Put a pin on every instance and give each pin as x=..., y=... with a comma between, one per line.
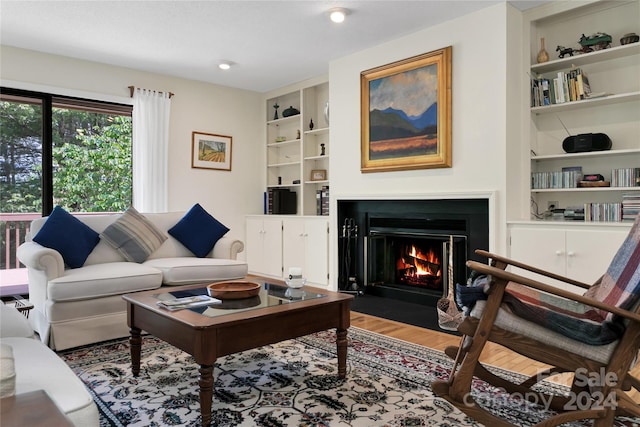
x=338, y=14
x=225, y=65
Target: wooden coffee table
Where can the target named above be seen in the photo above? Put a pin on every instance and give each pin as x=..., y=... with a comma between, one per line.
x=277, y=314
x=33, y=409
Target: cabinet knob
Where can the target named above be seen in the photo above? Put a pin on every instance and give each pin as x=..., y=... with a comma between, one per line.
x=570, y=253
x=559, y=252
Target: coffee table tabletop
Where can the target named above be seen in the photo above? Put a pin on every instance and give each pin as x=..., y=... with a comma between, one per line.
x=278, y=313
x=34, y=409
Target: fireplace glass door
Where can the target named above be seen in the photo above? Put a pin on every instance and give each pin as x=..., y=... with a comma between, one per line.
x=419, y=262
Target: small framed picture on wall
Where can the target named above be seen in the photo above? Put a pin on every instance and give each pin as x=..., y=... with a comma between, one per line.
x=210, y=151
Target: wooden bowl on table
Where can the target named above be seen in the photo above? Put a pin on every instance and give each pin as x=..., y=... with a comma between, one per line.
x=233, y=289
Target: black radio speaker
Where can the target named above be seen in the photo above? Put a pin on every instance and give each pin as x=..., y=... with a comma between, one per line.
x=586, y=142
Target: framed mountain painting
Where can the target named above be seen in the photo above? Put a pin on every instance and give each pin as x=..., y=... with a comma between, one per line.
x=406, y=114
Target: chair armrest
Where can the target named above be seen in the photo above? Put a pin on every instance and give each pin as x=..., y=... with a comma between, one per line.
x=512, y=277
x=508, y=261
x=38, y=257
x=14, y=324
x=227, y=248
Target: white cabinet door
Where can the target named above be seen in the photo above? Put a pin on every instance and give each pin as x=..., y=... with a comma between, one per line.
x=293, y=245
x=590, y=252
x=317, y=251
x=539, y=247
x=306, y=245
x=580, y=254
x=264, y=246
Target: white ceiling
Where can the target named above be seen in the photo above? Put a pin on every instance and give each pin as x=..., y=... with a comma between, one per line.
x=272, y=43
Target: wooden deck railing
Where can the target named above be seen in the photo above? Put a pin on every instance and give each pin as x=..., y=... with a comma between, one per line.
x=14, y=227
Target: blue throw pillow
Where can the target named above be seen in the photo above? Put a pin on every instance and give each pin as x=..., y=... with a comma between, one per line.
x=198, y=231
x=69, y=236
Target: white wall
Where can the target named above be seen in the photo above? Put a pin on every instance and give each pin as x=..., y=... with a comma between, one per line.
x=479, y=93
x=196, y=106
x=482, y=107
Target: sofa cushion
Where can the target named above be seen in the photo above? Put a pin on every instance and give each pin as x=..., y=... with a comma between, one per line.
x=134, y=236
x=7, y=371
x=198, y=231
x=39, y=368
x=69, y=236
x=181, y=271
x=99, y=280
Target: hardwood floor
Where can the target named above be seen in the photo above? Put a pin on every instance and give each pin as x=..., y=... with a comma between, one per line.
x=493, y=354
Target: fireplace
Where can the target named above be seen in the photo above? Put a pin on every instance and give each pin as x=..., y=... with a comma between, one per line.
x=409, y=249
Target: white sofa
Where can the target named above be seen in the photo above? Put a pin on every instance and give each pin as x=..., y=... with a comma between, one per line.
x=29, y=365
x=79, y=306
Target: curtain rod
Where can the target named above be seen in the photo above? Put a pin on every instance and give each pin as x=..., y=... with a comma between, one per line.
x=133, y=88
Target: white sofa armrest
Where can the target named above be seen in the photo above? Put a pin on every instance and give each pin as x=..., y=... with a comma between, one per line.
x=227, y=248
x=38, y=257
x=13, y=323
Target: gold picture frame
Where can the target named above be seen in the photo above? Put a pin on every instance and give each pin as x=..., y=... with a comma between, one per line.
x=318, y=175
x=210, y=151
x=406, y=114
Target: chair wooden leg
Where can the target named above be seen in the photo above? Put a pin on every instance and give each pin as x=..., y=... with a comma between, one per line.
x=627, y=406
x=631, y=381
x=557, y=403
x=541, y=375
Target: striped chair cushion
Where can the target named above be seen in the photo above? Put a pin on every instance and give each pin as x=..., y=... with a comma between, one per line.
x=620, y=286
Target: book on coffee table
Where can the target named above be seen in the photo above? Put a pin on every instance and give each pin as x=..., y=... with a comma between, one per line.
x=188, y=302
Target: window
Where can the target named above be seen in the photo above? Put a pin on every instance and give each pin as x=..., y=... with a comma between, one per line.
x=64, y=151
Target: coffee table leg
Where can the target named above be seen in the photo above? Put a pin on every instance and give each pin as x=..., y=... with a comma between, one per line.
x=135, y=343
x=206, y=393
x=341, y=343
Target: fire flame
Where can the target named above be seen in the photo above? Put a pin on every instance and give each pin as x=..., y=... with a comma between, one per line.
x=422, y=263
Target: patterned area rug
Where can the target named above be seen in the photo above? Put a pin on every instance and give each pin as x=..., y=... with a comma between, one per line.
x=292, y=383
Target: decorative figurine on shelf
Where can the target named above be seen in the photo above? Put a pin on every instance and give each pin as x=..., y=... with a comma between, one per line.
x=275, y=115
x=597, y=41
x=298, y=134
x=311, y=125
x=564, y=51
x=629, y=38
x=322, y=149
x=290, y=112
x=543, y=56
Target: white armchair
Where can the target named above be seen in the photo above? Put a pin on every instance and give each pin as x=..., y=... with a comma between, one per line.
x=29, y=365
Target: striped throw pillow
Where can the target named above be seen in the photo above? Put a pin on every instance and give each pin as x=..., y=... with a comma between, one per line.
x=134, y=236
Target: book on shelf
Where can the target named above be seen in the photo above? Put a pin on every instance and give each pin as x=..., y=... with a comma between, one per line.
x=630, y=206
x=269, y=202
x=625, y=177
x=566, y=86
x=322, y=201
x=567, y=178
x=187, y=302
x=573, y=213
x=603, y=212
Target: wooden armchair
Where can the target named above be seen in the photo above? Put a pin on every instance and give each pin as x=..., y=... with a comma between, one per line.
x=599, y=346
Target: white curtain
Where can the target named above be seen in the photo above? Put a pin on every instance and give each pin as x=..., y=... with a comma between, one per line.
x=151, y=111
